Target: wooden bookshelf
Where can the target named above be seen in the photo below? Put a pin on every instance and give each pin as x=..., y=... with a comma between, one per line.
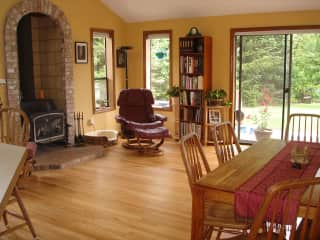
x=195, y=66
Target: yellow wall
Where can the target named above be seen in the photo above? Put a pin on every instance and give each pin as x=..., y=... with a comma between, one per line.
x=82, y=15
x=216, y=27
x=85, y=14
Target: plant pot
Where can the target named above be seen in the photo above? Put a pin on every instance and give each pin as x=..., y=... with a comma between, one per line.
x=215, y=102
x=262, y=133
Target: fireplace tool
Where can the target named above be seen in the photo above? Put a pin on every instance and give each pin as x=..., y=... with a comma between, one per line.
x=78, y=128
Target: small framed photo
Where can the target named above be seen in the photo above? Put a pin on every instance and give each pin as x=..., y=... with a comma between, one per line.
x=121, y=58
x=81, y=52
x=214, y=116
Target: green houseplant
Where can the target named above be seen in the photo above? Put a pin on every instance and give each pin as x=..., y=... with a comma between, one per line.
x=173, y=91
x=261, y=119
x=215, y=97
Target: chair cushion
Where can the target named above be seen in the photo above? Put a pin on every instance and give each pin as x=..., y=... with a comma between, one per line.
x=31, y=149
x=159, y=132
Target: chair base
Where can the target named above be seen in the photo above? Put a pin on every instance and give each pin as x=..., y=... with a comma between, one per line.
x=144, y=145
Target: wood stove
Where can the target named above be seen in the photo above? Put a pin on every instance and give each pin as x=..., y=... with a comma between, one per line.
x=47, y=123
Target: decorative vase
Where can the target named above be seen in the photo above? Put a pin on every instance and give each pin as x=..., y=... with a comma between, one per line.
x=262, y=133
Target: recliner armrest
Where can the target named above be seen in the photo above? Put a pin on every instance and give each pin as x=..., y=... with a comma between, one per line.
x=121, y=120
x=160, y=117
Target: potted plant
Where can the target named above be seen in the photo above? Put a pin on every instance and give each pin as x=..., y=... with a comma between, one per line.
x=215, y=97
x=174, y=93
x=261, y=119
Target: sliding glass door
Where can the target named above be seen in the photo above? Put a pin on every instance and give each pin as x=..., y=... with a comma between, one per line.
x=276, y=74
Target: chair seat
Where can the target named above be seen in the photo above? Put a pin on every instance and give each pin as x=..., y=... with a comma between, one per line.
x=262, y=236
x=222, y=215
x=31, y=149
x=159, y=132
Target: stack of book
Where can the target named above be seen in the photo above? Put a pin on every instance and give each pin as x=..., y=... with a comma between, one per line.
x=191, y=115
x=191, y=98
x=186, y=128
x=191, y=64
x=192, y=82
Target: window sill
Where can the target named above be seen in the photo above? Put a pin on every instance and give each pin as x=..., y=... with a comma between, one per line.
x=164, y=109
x=103, y=110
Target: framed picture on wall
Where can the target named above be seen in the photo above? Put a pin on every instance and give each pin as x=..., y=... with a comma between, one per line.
x=81, y=52
x=214, y=116
x=121, y=58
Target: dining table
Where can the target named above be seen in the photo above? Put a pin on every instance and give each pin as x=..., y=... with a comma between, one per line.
x=222, y=183
x=12, y=159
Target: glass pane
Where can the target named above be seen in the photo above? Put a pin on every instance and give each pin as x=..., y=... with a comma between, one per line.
x=100, y=70
x=305, y=80
x=261, y=85
x=160, y=70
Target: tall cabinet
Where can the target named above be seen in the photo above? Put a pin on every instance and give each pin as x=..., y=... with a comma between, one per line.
x=195, y=78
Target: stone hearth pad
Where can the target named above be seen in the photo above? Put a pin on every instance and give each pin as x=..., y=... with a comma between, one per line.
x=53, y=156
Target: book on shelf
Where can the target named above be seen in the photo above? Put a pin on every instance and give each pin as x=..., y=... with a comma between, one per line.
x=186, y=128
x=192, y=82
x=191, y=45
x=191, y=114
x=191, y=98
x=191, y=64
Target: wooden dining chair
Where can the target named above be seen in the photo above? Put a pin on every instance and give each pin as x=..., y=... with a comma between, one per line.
x=218, y=216
x=225, y=141
x=15, y=130
x=303, y=127
x=14, y=126
x=268, y=225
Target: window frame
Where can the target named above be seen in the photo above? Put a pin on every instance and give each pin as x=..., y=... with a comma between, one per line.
x=145, y=37
x=111, y=83
x=232, y=56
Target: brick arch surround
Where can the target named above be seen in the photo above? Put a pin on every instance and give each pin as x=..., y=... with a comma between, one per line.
x=11, y=52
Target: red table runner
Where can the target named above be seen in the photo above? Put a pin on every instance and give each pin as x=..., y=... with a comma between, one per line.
x=249, y=196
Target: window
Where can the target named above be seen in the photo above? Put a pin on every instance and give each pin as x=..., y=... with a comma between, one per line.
x=157, y=65
x=102, y=70
x=276, y=73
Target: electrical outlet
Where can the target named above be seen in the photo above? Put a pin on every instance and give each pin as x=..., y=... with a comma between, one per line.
x=90, y=122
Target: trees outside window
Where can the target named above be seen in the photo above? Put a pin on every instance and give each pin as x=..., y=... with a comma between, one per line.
x=102, y=69
x=157, y=65
x=283, y=65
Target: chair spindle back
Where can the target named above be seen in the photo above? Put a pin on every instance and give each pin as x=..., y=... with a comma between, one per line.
x=225, y=142
x=193, y=157
x=278, y=199
x=14, y=126
x=303, y=127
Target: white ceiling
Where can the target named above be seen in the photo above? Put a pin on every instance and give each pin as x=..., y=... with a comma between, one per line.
x=148, y=10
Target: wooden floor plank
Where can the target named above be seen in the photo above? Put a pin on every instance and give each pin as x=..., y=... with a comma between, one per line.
x=124, y=195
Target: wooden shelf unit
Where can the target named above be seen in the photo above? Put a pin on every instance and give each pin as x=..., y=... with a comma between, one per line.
x=209, y=123
x=195, y=64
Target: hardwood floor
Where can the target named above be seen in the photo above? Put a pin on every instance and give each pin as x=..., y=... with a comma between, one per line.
x=124, y=195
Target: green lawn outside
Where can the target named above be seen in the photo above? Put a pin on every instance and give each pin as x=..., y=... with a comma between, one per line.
x=276, y=113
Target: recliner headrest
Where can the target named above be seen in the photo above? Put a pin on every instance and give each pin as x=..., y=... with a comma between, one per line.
x=135, y=97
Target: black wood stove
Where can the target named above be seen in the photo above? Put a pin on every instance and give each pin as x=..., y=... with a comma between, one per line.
x=47, y=123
